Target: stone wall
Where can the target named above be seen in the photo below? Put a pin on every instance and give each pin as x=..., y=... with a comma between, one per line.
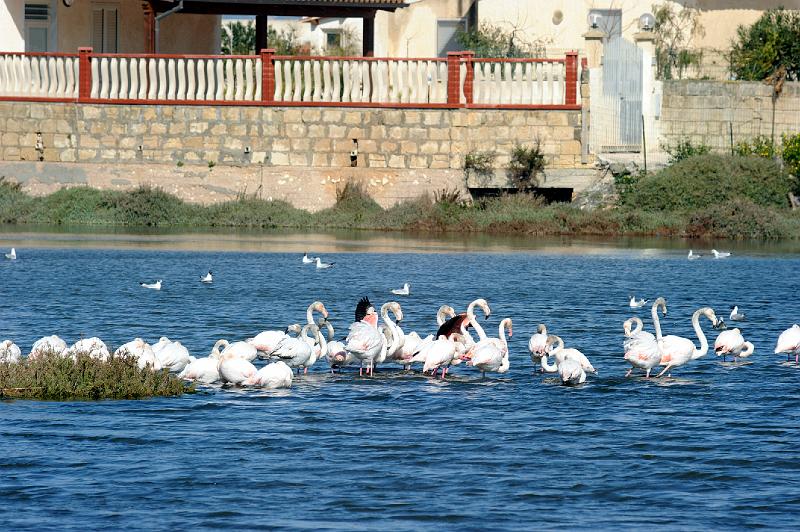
x=207, y=154
x=706, y=111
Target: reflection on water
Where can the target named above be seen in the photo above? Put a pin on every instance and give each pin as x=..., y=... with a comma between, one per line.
x=347, y=241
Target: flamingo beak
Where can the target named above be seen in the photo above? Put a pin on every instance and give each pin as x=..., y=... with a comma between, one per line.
x=510, y=333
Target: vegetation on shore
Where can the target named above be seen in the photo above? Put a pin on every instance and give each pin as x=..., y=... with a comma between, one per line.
x=700, y=196
x=53, y=377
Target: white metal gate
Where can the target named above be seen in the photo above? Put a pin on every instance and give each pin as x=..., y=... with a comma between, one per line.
x=616, y=99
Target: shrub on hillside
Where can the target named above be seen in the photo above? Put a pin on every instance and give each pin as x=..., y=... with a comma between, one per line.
x=791, y=153
x=738, y=218
x=760, y=145
x=768, y=47
x=685, y=149
x=706, y=180
x=147, y=206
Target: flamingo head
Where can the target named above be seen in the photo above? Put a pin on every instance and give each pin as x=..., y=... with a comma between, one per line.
x=371, y=318
x=293, y=328
x=627, y=326
x=394, y=306
x=661, y=302
x=319, y=307
x=446, y=310
x=541, y=329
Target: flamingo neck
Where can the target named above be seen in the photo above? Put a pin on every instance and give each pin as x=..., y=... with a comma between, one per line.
x=656, y=323
x=467, y=337
x=748, y=351
x=501, y=333
x=639, y=325
x=474, y=322
x=700, y=334
x=372, y=319
x=546, y=366
x=395, y=332
x=443, y=315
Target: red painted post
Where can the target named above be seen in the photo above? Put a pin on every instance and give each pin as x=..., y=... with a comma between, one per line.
x=84, y=74
x=571, y=92
x=453, y=78
x=267, y=75
x=469, y=59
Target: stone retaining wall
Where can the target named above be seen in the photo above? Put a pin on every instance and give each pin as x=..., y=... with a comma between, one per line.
x=706, y=111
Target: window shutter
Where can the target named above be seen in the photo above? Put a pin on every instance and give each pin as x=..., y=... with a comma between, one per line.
x=110, y=27
x=97, y=30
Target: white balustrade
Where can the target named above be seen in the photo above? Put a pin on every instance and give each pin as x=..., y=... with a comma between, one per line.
x=519, y=83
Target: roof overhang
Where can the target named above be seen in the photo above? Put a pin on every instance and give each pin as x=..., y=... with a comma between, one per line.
x=327, y=8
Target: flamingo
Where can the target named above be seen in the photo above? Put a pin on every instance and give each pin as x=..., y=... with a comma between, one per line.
x=641, y=347
x=9, y=352
x=364, y=341
x=538, y=343
x=203, y=369
x=141, y=351
x=492, y=354
x=731, y=342
x=571, y=372
x=439, y=354
x=393, y=333
x=48, y=345
x=677, y=351
x=172, y=356
x=412, y=344
x=789, y=343
x=335, y=354
x=234, y=369
x=455, y=330
x=94, y=347
x=241, y=349
x=275, y=375
x=561, y=354
x=299, y=352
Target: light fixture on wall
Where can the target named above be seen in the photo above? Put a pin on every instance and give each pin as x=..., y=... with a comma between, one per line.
x=647, y=22
x=594, y=20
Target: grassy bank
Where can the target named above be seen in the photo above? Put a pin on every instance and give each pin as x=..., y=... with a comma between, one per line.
x=53, y=377
x=707, y=196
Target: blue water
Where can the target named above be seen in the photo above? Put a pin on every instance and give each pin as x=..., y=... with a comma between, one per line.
x=712, y=447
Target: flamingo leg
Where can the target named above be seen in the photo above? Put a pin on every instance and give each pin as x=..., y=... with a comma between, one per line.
x=665, y=370
x=305, y=371
x=647, y=375
x=629, y=372
x=360, y=372
x=797, y=358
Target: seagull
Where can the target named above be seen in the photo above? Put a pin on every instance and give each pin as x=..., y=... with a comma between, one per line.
x=321, y=265
x=720, y=325
x=692, y=256
x=720, y=254
x=637, y=303
x=208, y=278
x=307, y=259
x=153, y=286
x=12, y=255
x=402, y=291
x=735, y=316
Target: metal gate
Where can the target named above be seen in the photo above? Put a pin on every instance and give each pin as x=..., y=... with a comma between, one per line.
x=616, y=99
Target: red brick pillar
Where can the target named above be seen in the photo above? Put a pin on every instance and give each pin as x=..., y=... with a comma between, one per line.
x=468, y=58
x=453, y=78
x=84, y=74
x=267, y=75
x=571, y=92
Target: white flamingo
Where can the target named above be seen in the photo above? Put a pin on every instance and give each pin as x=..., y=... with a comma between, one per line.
x=677, y=350
x=141, y=351
x=172, y=356
x=241, y=349
x=731, y=342
x=364, y=341
x=789, y=343
x=641, y=347
x=571, y=372
x=557, y=350
x=299, y=352
x=335, y=353
x=412, y=343
x=275, y=375
x=537, y=345
x=48, y=345
x=203, y=369
x=492, y=354
x=455, y=331
x=439, y=354
x=393, y=333
x=94, y=347
x=234, y=369
x=9, y=352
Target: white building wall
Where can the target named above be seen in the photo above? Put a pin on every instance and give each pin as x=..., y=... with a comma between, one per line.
x=12, y=24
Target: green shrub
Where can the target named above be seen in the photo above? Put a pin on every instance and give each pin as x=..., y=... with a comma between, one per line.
x=147, y=206
x=771, y=45
x=761, y=146
x=72, y=205
x=791, y=153
x=684, y=149
x=526, y=164
x=480, y=162
x=706, y=180
x=53, y=377
x=738, y=218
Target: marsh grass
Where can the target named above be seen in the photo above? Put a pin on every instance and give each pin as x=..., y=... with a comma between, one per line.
x=664, y=204
x=53, y=377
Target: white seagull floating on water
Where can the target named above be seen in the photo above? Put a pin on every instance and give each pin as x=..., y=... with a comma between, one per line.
x=720, y=254
x=637, y=303
x=12, y=255
x=307, y=259
x=208, y=278
x=153, y=286
x=692, y=256
x=322, y=265
x=736, y=315
x=402, y=291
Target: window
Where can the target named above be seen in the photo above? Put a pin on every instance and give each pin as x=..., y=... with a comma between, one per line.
x=37, y=20
x=104, y=28
x=333, y=39
x=446, y=31
x=610, y=22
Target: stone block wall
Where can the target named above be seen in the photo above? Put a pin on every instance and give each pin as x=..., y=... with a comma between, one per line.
x=294, y=137
x=706, y=111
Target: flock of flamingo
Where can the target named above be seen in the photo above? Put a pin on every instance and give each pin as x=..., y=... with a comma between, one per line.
x=369, y=344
